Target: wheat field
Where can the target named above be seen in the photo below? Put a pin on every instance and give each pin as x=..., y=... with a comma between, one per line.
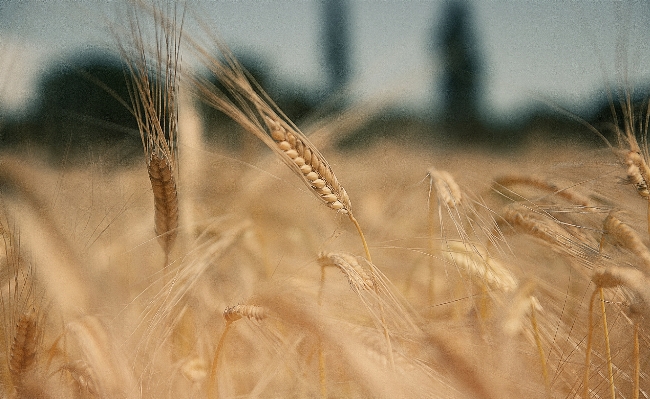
x=206, y=272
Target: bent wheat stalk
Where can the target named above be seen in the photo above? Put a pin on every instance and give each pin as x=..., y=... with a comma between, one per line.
x=256, y=112
x=231, y=315
x=360, y=280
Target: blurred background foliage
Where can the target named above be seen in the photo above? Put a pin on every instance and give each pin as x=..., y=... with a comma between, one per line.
x=78, y=115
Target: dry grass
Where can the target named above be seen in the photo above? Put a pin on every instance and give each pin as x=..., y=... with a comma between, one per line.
x=532, y=284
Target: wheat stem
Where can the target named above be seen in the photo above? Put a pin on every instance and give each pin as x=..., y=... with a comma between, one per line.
x=321, y=354
x=608, y=351
x=590, y=332
x=648, y=216
x=540, y=349
x=322, y=377
x=637, y=361
x=363, y=238
x=213, y=384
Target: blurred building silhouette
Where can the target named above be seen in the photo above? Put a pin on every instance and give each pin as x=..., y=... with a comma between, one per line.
x=456, y=46
x=336, y=41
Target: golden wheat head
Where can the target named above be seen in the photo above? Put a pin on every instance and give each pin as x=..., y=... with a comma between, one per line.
x=155, y=75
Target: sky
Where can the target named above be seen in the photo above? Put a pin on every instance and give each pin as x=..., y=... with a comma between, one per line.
x=565, y=52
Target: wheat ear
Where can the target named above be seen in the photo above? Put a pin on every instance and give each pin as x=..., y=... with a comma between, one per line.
x=448, y=193
x=637, y=281
x=24, y=346
x=638, y=173
x=257, y=113
x=477, y=263
x=83, y=376
x=544, y=185
x=623, y=235
x=445, y=187
x=153, y=92
x=541, y=226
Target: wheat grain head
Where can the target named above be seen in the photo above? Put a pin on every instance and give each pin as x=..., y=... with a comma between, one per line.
x=154, y=80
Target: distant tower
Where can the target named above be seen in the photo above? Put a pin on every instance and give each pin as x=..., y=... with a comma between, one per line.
x=455, y=44
x=336, y=40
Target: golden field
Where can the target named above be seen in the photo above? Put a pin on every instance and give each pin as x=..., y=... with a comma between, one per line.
x=209, y=272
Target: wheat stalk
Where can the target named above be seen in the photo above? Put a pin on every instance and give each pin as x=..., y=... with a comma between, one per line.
x=230, y=315
x=154, y=92
x=257, y=113
x=607, y=277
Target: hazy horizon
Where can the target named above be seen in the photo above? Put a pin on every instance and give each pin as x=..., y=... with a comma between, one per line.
x=565, y=52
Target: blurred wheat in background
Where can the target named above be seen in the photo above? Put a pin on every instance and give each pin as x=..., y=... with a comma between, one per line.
x=212, y=269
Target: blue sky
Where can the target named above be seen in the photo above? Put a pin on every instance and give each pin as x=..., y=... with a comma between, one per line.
x=558, y=50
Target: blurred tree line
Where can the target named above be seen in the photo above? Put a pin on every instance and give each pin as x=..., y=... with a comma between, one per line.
x=78, y=114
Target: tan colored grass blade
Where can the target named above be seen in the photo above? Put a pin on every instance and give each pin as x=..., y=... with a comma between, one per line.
x=477, y=263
